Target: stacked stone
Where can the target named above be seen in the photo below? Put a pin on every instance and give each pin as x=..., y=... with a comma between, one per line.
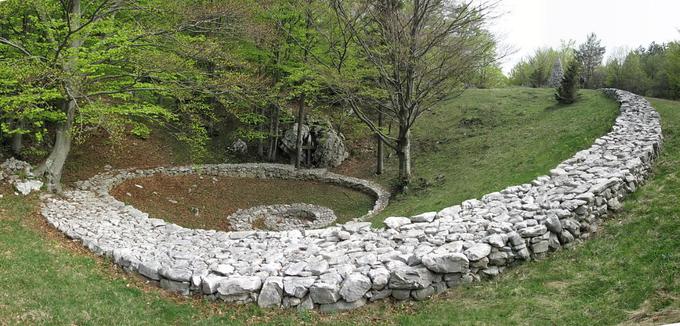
x=343, y=267
x=104, y=182
x=282, y=217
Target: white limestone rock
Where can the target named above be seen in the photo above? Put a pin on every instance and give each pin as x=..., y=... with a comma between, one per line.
x=446, y=262
x=271, y=294
x=355, y=286
x=28, y=186
x=395, y=222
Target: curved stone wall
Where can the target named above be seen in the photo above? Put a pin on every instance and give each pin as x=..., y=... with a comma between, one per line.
x=345, y=266
x=102, y=183
x=297, y=216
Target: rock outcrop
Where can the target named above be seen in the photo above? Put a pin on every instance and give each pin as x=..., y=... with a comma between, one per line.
x=326, y=146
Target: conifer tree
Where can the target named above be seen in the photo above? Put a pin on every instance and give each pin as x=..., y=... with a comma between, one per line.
x=567, y=92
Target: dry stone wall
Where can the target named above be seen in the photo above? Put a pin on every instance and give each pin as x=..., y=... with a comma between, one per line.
x=345, y=266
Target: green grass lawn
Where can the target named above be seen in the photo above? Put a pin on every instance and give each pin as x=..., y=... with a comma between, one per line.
x=629, y=273
x=486, y=140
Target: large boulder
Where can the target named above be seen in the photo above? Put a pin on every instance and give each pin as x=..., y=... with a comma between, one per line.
x=329, y=149
x=327, y=146
x=289, y=140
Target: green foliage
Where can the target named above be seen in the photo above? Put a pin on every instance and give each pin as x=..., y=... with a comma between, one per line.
x=26, y=95
x=486, y=140
x=633, y=75
x=672, y=69
x=535, y=70
x=567, y=93
x=590, y=55
x=650, y=71
x=627, y=273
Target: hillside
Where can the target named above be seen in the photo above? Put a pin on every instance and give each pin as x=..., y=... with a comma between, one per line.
x=628, y=273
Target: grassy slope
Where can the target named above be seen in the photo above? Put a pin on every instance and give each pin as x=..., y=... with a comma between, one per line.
x=512, y=136
x=627, y=273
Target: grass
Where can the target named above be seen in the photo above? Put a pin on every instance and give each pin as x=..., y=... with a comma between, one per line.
x=629, y=273
x=486, y=140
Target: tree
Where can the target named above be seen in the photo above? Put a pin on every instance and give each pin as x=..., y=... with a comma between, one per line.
x=633, y=77
x=590, y=54
x=107, y=60
x=567, y=92
x=673, y=69
x=536, y=70
x=557, y=74
x=420, y=50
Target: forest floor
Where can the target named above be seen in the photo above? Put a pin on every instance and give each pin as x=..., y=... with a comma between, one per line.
x=628, y=273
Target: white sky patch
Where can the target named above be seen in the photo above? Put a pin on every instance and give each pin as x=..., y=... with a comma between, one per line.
x=526, y=25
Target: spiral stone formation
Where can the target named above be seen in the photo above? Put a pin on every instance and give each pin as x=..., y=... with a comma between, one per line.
x=345, y=266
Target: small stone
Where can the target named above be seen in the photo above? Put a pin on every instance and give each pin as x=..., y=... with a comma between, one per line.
x=210, y=282
x=533, y=231
x=239, y=285
x=344, y=235
x=28, y=186
x=379, y=294
x=354, y=227
x=297, y=286
x=477, y=252
x=150, y=270
x=379, y=277
x=176, y=274
x=181, y=288
x=422, y=294
x=395, y=222
x=407, y=277
x=496, y=240
x=446, y=263
x=271, y=294
x=401, y=294
x=424, y=218
x=354, y=287
x=306, y=304
x=342, y=305
x=318, y=268
x=540, y=247
x=324, y=293
x=553, y=224
x=295, y=269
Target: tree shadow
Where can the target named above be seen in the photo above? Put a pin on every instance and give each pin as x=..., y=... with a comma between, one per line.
x=560, y=106
x=557, y=106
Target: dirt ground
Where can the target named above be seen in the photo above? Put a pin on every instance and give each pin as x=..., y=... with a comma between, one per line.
x=205, y=202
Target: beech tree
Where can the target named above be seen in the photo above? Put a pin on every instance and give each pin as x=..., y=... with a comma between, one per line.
x=92, y=59
x=590, y=54
x=420, y=50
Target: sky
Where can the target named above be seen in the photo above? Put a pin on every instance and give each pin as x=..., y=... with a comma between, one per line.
x=525, y=25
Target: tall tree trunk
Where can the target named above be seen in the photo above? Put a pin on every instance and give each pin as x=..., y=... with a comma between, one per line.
x=274, y=145
x=380, y=159
x=298, y=139
x=301, y=110
x=18, y=139
x=260, y=141
x=53, y=167
x=404, y=155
